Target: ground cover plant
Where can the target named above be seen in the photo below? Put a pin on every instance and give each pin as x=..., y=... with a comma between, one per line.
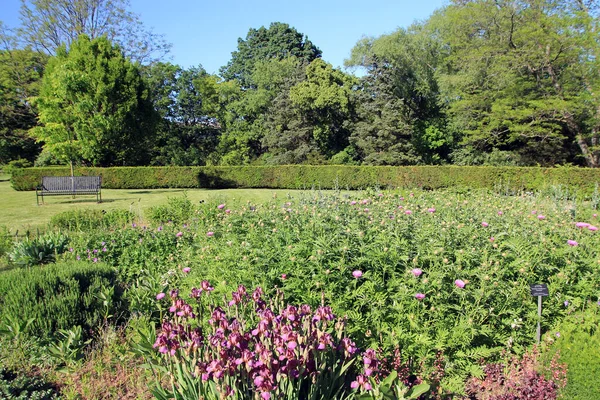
x=436, y=283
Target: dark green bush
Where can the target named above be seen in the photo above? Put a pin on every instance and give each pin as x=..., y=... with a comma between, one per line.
x=577, y=340
x=85, y=220
x=40, y=250
x=57, y=296
x=323, y=176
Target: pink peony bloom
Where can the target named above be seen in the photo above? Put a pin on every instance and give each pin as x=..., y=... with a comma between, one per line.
x=221, y=206
x=160, y=296
x=459, y=283
x=179, y=234
x=419, y=296
x=407, y=212
x=416, y=271
x=541, y=217
x=592, y=228
x=284, y=276
x=500, y=213
x=352, y=203
x=228, y=211
x=357, y=274
x=572, y=243
x=484, y=224
x=209, y=234
x=431, y=210
x=187, y=270
x=582, y=224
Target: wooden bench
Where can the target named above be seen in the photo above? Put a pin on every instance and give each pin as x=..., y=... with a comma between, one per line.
x=70, y=186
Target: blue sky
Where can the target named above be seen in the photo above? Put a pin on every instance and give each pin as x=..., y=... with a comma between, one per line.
x=206, y=32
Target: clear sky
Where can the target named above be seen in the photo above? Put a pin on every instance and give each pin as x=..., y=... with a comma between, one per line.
x=206, y=32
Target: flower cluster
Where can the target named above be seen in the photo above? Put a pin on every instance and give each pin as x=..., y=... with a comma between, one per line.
x=265, y=347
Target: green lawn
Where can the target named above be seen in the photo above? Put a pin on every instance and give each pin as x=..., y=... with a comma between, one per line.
x=20, y=212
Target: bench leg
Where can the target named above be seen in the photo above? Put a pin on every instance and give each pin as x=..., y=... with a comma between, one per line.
x=37, y=199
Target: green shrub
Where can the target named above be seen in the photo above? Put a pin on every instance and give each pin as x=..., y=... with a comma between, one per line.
x=16, y=164
x=324, y=177
x=177, y=210
x=86, y=220
x=577, y=341
x=40, y=250
x=57, y=296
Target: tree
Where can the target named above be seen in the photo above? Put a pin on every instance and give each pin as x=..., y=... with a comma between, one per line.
x=187, y=101
x=400, y=110
x=523, y=77
x=279, y=41
x=49, y=24
x=312, y=121
x=20, y=76
x=94, y=107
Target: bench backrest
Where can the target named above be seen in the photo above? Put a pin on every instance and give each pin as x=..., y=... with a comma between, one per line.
x=69, y=183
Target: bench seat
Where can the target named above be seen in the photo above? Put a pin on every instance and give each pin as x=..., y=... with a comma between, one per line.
x=69, y=186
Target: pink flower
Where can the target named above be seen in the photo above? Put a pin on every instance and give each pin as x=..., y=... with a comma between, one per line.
x=492, y=239
x=582, y=224
x=431, y=210
x=284, y=276
x=361, y=382
x=416, y=272
x=592, y=228
x=484, y=224
x=209, y=234
x=160, y=296
x=419, y=296
x=541, y=217
x=572, y=243
x=186, y=270
x=407, y=212
x=357, y=274
x=227, y=211
x=459, y=283
x=595, y=215
x=221, y=206
x=179, y=234
x=352, y=203
x=500, y=213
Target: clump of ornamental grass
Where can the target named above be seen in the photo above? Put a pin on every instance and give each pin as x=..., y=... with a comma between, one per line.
x=251, y=347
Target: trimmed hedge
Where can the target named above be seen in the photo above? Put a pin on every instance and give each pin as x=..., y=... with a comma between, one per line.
x=324, y=177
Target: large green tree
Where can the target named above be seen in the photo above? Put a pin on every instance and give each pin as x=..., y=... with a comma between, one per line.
x=279, y=41
x=48, y=24
x=94, y=106
x=187, y=102
x=21, y=71
x=523, y=77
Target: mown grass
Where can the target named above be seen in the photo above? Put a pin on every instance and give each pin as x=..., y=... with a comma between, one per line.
x=20, y=212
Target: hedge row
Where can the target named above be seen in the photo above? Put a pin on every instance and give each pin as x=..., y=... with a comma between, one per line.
x=324, y=177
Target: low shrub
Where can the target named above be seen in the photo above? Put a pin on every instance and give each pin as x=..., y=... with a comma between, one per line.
x=57, y=296
x=21, y=387
x=577, y=341
x=89, y=219
x=177, y=210
x=40, y=250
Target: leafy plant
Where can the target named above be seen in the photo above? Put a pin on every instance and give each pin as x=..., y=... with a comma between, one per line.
x=68, y=348
x=40, y=250
x=177, y=210
x=21, y=387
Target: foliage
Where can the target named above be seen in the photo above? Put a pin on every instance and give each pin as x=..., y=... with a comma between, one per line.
x=42, y=249
x=68, y=347
x=576, y=340
x=49, y=24
x=21, y=71
x=93, y=106
x=21, y=387
x=56, y=296
x=580, y=180
x=87, y=220
x=177, y=211
x=519, y=379
x=279, y=41
x=14, y=164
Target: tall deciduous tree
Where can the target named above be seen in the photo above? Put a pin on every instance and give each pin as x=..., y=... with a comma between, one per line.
x=94, y=107
x=279, y=41
x=20, y=76
x=523, y=76
x=48, y=24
